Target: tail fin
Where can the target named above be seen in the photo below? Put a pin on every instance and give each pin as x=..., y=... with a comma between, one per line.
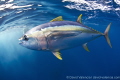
x=106, y=35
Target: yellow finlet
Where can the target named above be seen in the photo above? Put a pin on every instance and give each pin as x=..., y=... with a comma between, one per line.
x=57, y=19
x=79, y=19
x=85, y=47
x=57, y=54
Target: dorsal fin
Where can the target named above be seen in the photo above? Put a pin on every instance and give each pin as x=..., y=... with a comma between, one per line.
x=79, y=19
x=59, y=18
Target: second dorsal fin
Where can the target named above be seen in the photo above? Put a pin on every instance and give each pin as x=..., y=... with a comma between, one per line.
x=59, y=18
x=79, y=19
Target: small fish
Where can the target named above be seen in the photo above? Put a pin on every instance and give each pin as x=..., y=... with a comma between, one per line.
x=59, y=34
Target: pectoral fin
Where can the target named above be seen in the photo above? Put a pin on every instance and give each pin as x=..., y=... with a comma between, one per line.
x=57, y=19
x=85, y=47
x=57, y=54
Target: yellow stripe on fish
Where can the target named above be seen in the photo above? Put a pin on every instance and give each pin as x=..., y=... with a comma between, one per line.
x=70, y=28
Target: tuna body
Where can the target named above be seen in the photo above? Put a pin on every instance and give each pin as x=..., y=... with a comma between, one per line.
x=58, y=35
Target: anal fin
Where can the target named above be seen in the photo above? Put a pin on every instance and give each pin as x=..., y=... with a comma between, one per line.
x=57, y=54
x=85, y=47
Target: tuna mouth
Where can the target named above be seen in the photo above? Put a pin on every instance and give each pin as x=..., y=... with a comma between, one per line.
x=20, y=41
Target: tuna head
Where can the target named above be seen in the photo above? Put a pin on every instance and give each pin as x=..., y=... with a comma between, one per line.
x=33, y=40
x=29, y=42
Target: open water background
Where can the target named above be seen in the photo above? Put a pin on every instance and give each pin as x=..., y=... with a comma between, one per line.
x=19, y=63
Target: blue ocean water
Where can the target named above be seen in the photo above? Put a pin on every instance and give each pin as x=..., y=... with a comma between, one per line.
x=20, y=63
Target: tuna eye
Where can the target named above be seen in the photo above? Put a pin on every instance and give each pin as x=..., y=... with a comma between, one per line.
x=25, y=38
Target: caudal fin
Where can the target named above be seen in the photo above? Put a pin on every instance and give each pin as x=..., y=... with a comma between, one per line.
x=106, y=35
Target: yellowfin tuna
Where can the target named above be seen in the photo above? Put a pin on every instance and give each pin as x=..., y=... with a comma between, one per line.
x=58, y=34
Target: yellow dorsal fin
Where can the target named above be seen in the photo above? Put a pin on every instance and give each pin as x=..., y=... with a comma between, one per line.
x=79, y=19
x=57, y=54
x=59, y=18
x=85, y=47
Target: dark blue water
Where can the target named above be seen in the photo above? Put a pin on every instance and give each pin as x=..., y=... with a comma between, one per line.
x=19, y=63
